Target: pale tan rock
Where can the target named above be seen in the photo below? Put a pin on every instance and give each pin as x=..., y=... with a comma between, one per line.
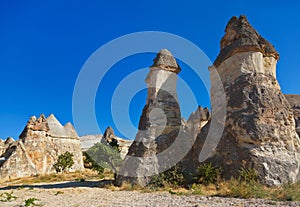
x=40, y=144
x=259, y=129
x=159, y=124
x=197, y=120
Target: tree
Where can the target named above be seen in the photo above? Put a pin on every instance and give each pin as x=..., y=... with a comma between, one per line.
x=115, y=144
x=64, y=162
x=105, y=156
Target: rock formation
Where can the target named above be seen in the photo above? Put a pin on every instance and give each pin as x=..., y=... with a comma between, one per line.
x=259, y=129
x=294, y=101
x=89, y=140
x=159, y=124
x=109, y=134
x=197, y=120
x=40, y=143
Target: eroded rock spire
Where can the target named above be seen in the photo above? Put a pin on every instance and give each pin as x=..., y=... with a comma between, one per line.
x=240, y=37
x=159, y=124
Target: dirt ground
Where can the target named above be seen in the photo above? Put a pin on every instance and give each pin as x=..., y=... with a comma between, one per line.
x=90, y=194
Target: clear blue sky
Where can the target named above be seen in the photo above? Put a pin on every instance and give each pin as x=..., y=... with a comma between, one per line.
x=44, y=44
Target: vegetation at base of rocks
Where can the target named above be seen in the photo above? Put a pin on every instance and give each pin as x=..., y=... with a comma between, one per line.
x=114, y=144
x=170, y=177
x=30, y=202
x=7, y=197
x=210, y=183
x=105, y=156
x=87, y=174
x=230, y=188
x=248, y=175
x=64, y=162
x=91, y=164
x=207, y=174
x=79, y=179
x=243, y=189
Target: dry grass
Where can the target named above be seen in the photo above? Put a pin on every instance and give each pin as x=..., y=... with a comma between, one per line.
x=231, y=188
x=87, y=174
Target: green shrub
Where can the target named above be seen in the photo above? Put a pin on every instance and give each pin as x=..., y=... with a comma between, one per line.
x=90, y=163
x=79, y=179
x=104, y=156
x=114, y=143
x=242, y=189
x=206, y=174
x=64, y=162
x=30, y=201
x=7, y=197
x=248, y=175
x=196, y=189
x=171, y=177
x=288, y=192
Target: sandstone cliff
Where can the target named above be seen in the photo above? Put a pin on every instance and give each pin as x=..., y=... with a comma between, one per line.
x=40, y=143
x=259, y=129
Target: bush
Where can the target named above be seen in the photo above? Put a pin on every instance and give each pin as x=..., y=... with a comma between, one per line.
x=171, y=177
x=114, y=143
x=7, y=197
x=242, y=189
x=207, y=174
x=248, y=175
x=104, y=156
x=64, y=162
x=91, y=164
x=30, y=201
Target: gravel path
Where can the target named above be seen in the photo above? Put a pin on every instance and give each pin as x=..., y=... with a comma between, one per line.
x=88, y=195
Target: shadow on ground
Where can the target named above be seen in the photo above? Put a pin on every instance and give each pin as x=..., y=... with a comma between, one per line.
x=69, y=184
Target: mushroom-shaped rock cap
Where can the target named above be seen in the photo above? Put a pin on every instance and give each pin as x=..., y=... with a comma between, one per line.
x=9, y=141
x=240, y=37
x=165, y=60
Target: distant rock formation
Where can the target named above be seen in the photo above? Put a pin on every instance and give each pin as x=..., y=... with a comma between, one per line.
x=197, y=120
x=123, y=145
x=294, y=101
x=109, y=134
x=260, y=128
x=159, y=124
x=40, y=144
x=89, y=140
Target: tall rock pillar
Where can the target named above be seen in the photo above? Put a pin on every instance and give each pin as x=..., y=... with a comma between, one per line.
x=259, y=129
x=159, y=123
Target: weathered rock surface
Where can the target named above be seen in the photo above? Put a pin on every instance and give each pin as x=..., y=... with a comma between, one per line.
x=197, y=120
x=42, y=140
x=109, y=134
x=88, y=141
x=241, y=37
x=159, y=124
x=259, y=128
x=294, y=101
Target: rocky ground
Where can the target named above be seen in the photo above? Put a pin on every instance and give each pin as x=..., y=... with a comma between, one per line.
x=89, y=194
